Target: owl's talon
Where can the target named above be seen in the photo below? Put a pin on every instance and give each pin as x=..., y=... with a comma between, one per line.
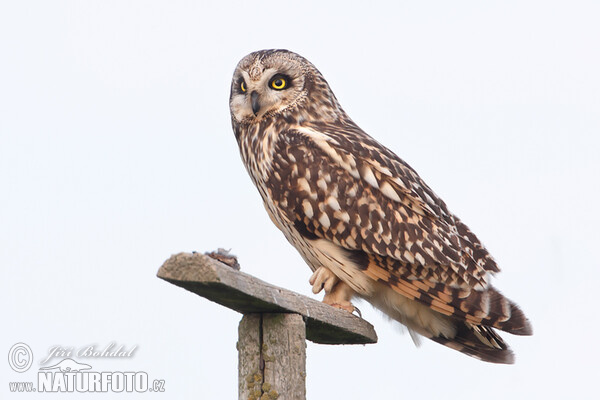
x=340, y=297
x=345, y=306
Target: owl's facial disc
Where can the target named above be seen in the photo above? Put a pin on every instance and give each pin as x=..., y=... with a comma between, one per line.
x=270, y=100
x=268, y=93
x=265, y=87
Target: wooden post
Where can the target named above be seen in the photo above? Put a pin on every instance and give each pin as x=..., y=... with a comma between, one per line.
x=272, y=357
x=273, y=331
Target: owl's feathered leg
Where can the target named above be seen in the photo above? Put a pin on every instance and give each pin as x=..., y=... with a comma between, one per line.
x=337, y=293
x=321, y=279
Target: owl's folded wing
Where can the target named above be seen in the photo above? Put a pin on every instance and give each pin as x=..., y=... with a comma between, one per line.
x=365, y=205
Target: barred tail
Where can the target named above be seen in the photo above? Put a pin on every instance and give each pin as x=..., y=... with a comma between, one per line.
x=502, y=313
x=478, y=341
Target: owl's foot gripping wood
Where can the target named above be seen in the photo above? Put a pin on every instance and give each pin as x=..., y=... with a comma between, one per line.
x=337, y=293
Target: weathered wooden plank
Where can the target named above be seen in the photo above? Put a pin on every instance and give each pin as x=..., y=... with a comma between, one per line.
x=247, y=294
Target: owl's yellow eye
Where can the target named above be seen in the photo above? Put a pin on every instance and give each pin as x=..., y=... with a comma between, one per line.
x=243, y=86
x=279, y=82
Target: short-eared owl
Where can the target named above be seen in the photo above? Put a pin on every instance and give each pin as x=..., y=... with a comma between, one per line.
x=363, y=219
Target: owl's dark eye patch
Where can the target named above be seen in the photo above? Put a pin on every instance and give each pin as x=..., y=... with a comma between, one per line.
x=241, y=86
x=280, y=82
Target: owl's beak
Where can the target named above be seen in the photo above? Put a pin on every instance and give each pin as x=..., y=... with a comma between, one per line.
x=255, y=103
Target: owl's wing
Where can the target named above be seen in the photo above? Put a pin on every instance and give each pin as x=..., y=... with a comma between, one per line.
x=363, y=198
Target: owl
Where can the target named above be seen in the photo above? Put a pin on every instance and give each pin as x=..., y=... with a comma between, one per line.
x=363, y=220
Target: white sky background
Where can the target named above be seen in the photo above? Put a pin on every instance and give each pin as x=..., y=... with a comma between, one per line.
x=116, y=151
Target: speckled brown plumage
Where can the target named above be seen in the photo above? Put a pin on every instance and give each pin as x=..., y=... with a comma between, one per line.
x=354, y=208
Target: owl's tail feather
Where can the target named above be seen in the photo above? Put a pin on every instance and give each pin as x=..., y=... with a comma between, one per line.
x=476, y=338
x=502, y=313
x=478, y=341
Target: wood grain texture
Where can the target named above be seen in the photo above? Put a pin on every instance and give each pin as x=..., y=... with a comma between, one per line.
x=284, y=353
x=250, y=368
x=247, y=294
x=272, y=357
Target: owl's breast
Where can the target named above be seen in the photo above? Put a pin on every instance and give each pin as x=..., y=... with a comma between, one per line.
x=272, y=175
x=257, y=144
x=257, y=147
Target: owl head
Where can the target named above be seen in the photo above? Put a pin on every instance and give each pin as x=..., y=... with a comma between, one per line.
x=271, y=83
